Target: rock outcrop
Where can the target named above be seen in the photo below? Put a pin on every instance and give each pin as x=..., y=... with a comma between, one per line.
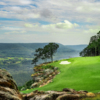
x=65, y=94
x=43, y=74
x=8, y=88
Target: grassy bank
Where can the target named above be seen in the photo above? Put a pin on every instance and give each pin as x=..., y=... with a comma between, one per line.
x=82, y=74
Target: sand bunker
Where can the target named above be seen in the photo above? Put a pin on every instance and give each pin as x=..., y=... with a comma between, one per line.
x=65, y=62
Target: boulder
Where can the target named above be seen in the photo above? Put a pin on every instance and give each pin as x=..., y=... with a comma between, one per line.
x=69, y=97
x=55, y=68
x=82, y=92
x=69, y=90
x=90, y=94
x=8, y=88
x=55, y=94
x=42, y=97
x=28, y=96
x=38, y=78
x=34, y=85
x=48, y=71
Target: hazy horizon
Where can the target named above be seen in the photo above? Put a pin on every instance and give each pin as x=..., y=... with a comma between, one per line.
x=37, y=42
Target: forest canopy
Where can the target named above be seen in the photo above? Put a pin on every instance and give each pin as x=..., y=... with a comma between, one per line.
x=93, y=49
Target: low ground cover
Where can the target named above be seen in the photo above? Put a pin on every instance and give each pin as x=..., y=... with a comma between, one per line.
x=83, y=73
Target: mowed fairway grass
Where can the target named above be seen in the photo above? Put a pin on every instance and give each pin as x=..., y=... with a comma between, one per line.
x=82, y=74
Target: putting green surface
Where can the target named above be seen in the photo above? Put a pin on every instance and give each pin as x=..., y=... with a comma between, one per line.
x=83, y=73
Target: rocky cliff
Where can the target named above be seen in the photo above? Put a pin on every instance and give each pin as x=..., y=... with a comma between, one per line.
x=43, y=74
x=8, y=88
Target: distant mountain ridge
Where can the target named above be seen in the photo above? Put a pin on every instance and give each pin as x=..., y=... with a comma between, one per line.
x=28, y=49
x=77, y=47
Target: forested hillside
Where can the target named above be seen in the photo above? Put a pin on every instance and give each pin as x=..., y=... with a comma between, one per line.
x=93, y=49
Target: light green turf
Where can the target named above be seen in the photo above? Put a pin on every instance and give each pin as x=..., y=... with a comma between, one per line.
x=82, y=74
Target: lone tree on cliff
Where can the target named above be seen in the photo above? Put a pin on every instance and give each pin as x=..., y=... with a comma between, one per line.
x=51, y=48
x=45, y=53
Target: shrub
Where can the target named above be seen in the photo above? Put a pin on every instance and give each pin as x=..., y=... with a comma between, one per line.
x=48, y=66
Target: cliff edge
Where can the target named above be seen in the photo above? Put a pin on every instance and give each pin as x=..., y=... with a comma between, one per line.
x=8, y=88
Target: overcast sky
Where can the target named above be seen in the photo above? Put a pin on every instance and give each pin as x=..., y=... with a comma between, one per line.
x=68, y=22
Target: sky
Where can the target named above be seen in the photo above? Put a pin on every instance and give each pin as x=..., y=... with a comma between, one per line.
x=69, y=22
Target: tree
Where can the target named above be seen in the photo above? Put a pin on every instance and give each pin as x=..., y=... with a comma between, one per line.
x=39, y=52
x=35, y=60
x=45, y=53
x=93, y=49
x=51, y=48
x=98, y=46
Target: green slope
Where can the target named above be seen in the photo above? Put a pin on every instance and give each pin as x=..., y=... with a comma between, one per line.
x=82, y=74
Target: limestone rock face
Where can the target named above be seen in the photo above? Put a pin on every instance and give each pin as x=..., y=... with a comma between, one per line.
x=8, y=88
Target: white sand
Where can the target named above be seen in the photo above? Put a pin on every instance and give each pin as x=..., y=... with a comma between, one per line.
x=65, y=62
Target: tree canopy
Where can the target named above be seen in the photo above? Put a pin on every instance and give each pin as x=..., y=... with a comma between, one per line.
x=45, y=53
x=93, y=49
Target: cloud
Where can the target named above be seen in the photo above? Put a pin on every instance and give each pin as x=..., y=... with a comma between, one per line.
x=14, y=32
x=2, y=3
x=25, y=2
x=65, y=25
x=94, y=31
x=50, y=20
x=10, y=28
x=19, y=2
x=28, y=25
x=88, y=8
x=46, y=13
x=51, y=10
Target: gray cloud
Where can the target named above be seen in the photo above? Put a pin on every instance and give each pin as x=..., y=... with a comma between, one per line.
x=46, y=13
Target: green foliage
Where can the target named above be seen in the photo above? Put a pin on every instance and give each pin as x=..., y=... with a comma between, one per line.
x=35, y=60
x=45, y=53
x=93, y=49
x=50, y=49
x=82, y=74
x=48, y=67
x=27, y=85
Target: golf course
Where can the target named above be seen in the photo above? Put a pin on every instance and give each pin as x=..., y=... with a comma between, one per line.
x=82, y=73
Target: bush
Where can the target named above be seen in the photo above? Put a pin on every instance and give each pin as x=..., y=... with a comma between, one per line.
x=48, y=67
x=27, y=85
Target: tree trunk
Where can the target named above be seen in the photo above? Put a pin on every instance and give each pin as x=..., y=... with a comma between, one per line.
x=98, y=51
x=51, y=58
x=95, y=50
